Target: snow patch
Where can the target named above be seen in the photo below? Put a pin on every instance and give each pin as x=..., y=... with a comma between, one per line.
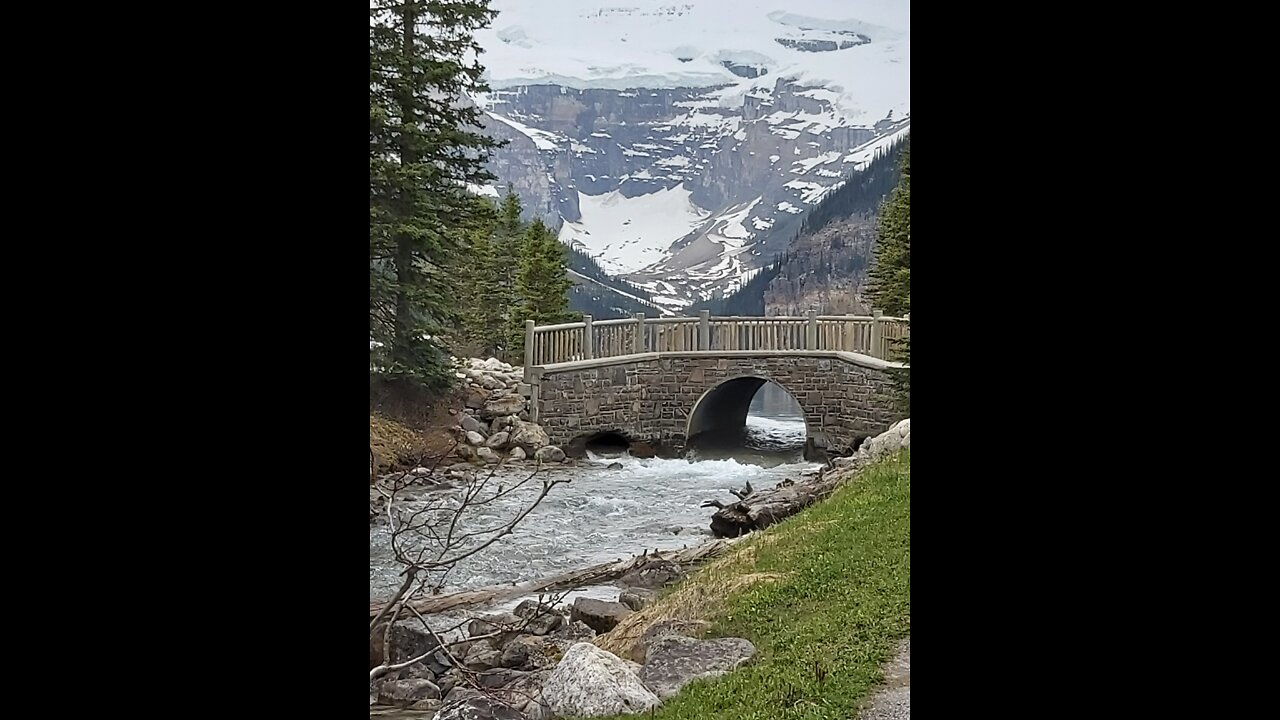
x=628, y=234
x=543, y=139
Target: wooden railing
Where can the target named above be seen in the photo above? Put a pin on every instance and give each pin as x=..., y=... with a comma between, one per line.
x=589, y=339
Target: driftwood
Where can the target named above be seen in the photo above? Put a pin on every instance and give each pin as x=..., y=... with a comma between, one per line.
x=596, y=574
x=759, y=510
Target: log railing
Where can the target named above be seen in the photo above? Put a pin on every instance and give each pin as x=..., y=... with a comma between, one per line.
x=590, y=339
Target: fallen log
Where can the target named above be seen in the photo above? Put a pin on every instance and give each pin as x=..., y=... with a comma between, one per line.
x=594, y=575
x=760, y=509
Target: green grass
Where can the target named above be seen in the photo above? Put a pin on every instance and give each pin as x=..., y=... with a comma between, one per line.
x=838, y=600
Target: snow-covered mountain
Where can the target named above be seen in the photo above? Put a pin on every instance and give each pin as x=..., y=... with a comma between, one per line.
x=677, y=143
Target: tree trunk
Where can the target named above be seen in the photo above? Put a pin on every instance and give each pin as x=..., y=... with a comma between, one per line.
x=761, y=509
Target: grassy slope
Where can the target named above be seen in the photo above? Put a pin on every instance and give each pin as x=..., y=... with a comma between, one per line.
x=832, y=597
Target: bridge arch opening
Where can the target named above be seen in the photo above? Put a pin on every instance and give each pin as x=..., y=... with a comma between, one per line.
x=751, y=418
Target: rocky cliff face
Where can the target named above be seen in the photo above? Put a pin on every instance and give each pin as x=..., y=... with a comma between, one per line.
x=738, y=170
x=826, y=271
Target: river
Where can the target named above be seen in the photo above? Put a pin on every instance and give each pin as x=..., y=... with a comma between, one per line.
x=602, y=515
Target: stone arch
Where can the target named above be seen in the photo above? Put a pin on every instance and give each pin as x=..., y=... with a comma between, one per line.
x=727, y=403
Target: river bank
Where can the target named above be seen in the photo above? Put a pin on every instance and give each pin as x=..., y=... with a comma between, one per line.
x=815, y=604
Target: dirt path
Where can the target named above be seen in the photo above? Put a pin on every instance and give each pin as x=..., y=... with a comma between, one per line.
x=893, y=700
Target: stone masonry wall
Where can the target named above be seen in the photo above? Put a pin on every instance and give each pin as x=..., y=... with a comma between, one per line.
x=650, y=400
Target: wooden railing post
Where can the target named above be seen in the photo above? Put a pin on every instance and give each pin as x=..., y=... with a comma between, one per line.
x=704, y=329
x=588, y=339
x=528, y=346
x=811, y=331
x=638, y=345
x=875, y=334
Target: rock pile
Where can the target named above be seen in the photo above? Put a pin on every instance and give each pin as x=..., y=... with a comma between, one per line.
x=494, y=424
x=537, y=663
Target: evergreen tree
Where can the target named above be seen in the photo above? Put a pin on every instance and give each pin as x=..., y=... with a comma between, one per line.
x=542, y=283
x=891, y=273
x=491, y=298
x=425, y=147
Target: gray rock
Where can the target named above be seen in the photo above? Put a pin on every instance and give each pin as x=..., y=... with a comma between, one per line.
x=489, y=455
x=524, y=693
x=614, y=466
x=498, y=441
x=489, y=382
x=482, y=656
x=674, y=627
x=599, y=615
x=517, y=454
x=405, y=692
x=529, y=436
x=590, y=682
x=474, y=438
x=657, y=574
x=533, y=652
x=461, y=692
x=541, y=619
x=549, y=454
x=466, y=452
x=433, y=704
x=575, y=630
x=471, y=424
x=476, y=397
x=505, y=422
x=474, y=707
x=408, y=640
x=499, y=677
x=449, y=680
x=502, y=405
x=503, y=624
x=636, y=598
x=674, y=661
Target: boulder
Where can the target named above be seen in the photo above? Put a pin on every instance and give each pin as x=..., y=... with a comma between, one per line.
x=549, y=454
x=471, y=424
x=489, y=455
x=524, y=693
x=407, y=692
x=505, y=422
x=656, y=574
x=476, y=398
x=474, y=438
x=498, y=441
x=636, y=598
x=502, y=405
x=529, y=436
x=477, y=708
x=490, y=382
x=482, y=656
x=532, y=652
x=599, y=615
x=672, y=662
x=590, y=682
x=503, y=624
x=466, y=452
x=517, y=454
x=408, y=640
x=575, y=630
x=541, y=619
x=614, y=466
x=499, y=677
x=673, y=627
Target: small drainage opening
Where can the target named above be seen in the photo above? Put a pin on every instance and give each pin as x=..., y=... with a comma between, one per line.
x=607, y=444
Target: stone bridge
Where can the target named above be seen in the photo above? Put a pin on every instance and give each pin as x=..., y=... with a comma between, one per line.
x=665, y=381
